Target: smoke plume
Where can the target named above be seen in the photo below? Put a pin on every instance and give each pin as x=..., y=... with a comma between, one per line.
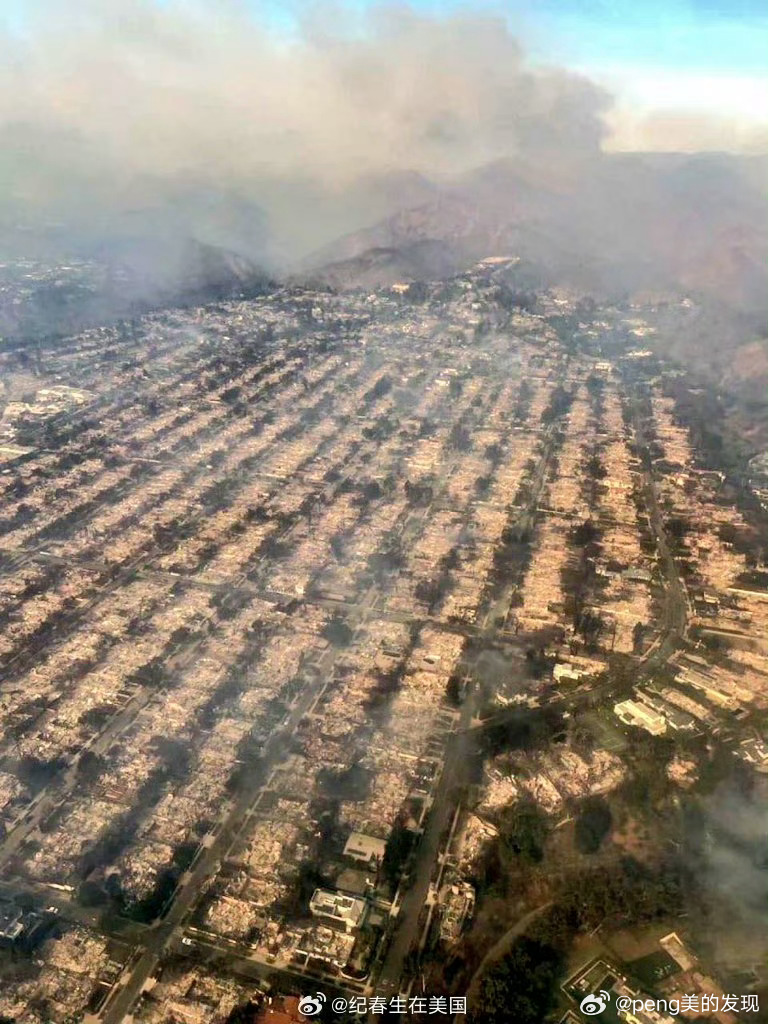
x=119, y=117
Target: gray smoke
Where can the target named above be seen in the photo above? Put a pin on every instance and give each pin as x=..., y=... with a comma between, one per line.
x=734, y=869
x=124, y=117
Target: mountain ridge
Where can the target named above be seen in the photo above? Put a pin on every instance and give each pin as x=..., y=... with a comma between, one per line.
x=618, y=224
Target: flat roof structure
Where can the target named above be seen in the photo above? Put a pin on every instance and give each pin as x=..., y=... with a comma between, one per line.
x=364, y=848
x=632, y=712
x=345, y=911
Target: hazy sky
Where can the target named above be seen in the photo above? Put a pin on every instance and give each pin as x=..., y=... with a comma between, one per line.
x=309, y=111
x=663, y=59
x=708, y=58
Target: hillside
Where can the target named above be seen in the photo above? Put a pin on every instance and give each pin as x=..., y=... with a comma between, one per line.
x=617, y=224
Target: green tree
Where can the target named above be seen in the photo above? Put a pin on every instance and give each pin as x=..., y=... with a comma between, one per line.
x=521, y=987
x=524, y=832
x=337, y=632
x=396, y=852
x=593, y=824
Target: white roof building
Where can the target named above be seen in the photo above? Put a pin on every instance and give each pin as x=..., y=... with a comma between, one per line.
x=566, y=671
x=367, y=849
x=632, y=712
x=344, y=911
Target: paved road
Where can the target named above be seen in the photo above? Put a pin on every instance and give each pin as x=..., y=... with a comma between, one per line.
x=676, y=599
x=672, y=635
x=502, y=945
x=456, y=762
x=162, y=936
x=207, y=864
x=64, y=784
x=407, y=929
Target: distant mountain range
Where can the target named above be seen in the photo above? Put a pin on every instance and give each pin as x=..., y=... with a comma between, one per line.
x=612, y=225
x=623, y=226
x=619, y=224
x=119, y=278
